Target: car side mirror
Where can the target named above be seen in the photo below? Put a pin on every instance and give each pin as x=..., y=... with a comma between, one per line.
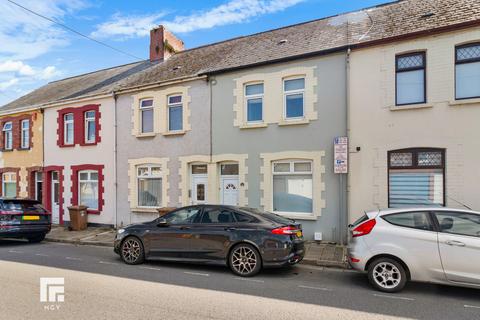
x=162, y=222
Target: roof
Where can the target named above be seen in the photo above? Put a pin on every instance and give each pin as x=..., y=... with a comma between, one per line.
x=387, y=22
x=94, y=83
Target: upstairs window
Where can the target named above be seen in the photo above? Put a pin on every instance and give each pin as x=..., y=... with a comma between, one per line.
x=88, y=189
x=467, y=71
x=90, y=131
x=294, y=91
x=416, y=177
x=175, y=113
x=254, y=102
x=68, y=129
x=146, y=115
x=7, y=136
x=25, y=134
x=149, y=182
x=410, y=79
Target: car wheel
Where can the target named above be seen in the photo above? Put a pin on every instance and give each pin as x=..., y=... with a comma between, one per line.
x=387, y=275
x=132, y=251
x=36, y=239
x=245, y=260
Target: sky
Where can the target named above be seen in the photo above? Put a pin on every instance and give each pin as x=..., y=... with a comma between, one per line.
x=35, y=51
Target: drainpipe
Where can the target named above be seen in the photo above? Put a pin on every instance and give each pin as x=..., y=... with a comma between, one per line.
x=115, y=159
x=347, y=119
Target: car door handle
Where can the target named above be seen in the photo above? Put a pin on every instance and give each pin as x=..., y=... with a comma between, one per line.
x=184, y=228
x=230, y=229
x=455, y=243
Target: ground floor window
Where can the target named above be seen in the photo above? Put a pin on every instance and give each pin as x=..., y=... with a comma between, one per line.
x=9, y=185
x=292, y=186
x=88, y=189
x=416, y=177
x=149, y=182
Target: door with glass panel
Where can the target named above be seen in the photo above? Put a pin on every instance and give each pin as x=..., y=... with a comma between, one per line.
x=39, y=186
x=199, y=187
x=55, y=197
x=229, y=184
x=149, y=182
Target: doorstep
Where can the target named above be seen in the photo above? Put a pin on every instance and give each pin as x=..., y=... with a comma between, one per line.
x=325, y=254
x=91, y=236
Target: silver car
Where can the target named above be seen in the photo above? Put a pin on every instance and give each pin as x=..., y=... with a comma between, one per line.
x=427, y=244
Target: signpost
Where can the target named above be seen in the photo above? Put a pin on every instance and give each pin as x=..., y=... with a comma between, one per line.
x=340, y=155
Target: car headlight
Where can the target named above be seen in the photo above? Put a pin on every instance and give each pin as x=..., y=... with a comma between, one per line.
x=120, y=231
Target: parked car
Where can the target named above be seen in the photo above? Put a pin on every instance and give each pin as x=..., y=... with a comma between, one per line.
x=436, y=245
x=244, y=239
x=23, y=218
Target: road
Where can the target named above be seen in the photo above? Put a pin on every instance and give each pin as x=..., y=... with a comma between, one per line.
x=99, y=286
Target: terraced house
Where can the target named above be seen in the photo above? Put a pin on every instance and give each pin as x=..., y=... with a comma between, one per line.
x=252, y=121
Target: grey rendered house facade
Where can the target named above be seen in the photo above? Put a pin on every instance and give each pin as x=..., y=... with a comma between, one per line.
x=277, y=123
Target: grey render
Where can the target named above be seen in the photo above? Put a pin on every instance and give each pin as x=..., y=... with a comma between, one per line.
x=317, y=135
x=193, y=142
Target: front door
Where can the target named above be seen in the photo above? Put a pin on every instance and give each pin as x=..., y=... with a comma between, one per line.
x=459, y=245
x=199, y=189
x=55, y=198
x=229, y=193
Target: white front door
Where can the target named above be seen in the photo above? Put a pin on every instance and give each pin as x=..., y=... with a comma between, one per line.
x=55, y=198
x=229, y=192
x=199, y=189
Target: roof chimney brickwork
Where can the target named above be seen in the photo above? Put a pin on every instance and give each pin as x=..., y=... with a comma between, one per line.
x=163, y=44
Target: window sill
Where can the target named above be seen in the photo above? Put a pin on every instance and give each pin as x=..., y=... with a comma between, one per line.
x=253, y=125
x=144, y=210
x=23, y=149
x=7, y=150
x=411, y=107
x=295, y=216
x=67, y=145
x=86, y=144
x=293, y=122
x=146, y=135
x=93, y=212
x=174, y=133
x=462, y=102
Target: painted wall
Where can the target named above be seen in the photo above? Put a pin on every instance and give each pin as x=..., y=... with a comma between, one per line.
x=324, y=122
x=100, y=154
x=24, y=159
x=160, y=147
x=377, y=125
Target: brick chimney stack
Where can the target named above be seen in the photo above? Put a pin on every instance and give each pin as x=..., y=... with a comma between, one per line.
x=163, y=44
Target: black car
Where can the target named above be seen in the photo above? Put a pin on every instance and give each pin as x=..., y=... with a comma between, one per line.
x=244, y=239
x=23, y=218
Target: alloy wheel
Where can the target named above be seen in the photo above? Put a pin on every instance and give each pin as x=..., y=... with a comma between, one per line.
x=387, y=275
x=244, y=260
x=131, y=250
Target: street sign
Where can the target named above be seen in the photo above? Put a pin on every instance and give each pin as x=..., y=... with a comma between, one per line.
x=340, y=155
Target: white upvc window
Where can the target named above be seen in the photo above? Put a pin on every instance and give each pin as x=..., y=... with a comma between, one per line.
x=294, y=98
x=68, y=129
x=9, y=187
x=467, y=71
x=149, y=186
x=146, y=115
x=90, y=130
x=39, y=186
x=8, y=137
x=25, y=136
x=175, y=113
x=254, y=102
x=88, y=189
x=292, y=182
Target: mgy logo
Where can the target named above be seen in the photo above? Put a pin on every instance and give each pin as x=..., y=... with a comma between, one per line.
x=52, y=289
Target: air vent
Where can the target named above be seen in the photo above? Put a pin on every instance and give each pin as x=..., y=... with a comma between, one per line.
x=427, y=15
x=282, y=41
x=176, y=68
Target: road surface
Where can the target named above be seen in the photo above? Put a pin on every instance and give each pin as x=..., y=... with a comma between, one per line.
x=99, y=286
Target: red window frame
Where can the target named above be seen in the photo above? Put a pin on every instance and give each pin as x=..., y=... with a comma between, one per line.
x=78, y=125
x=101, y=190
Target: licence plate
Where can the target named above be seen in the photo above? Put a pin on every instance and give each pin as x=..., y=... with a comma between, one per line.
x=30, y=218
x=299, y=234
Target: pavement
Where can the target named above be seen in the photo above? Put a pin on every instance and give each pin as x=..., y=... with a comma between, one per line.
x=317, y=253
x=99, y=286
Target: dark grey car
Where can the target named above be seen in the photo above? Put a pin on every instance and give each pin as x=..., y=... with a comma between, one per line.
x=244, y=239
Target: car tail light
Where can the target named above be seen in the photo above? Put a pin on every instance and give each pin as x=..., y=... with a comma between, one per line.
x=364, y=229
x=286, y=230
